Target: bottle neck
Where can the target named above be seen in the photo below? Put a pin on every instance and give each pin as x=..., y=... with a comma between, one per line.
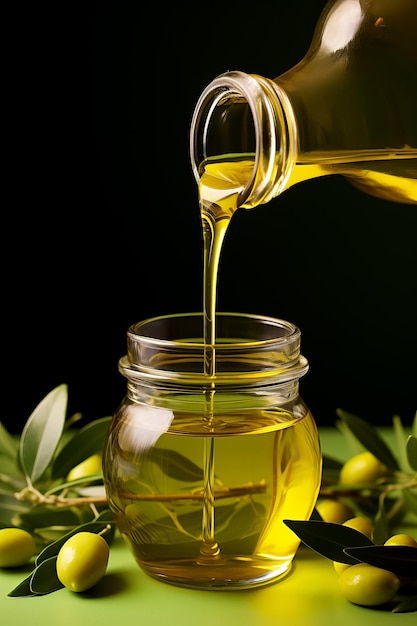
x=246, y=117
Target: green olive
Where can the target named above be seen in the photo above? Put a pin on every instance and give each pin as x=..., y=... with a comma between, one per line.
x=401, y=539
x=333, y=511
x=82, y=561
x=368, y=585
x=88, y=467
x=363, y=525
x=17, y=547
x=362, y=468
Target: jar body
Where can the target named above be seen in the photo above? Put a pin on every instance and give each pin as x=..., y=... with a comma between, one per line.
x=201, y=476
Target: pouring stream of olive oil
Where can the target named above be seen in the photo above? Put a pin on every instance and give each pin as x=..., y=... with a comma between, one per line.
x=218, y=199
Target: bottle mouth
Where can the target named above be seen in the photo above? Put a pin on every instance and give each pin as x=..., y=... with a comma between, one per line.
x=248, y=349
x=245, y=116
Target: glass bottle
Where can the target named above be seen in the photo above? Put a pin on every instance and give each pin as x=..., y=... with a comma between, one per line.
x=200, y=472
x=349, y=107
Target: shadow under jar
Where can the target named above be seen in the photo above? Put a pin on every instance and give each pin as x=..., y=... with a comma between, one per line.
x=201, y=470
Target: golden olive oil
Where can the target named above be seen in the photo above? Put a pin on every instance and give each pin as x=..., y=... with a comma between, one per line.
x=386, y=176
x=265, y=468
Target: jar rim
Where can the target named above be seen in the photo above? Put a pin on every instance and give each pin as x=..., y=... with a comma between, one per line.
x=142, y=331
x=248, y=347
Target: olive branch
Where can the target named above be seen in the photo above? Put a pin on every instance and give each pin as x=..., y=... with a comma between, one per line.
x=35, y=494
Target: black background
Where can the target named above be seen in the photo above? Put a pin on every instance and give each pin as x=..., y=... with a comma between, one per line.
x=101, y=225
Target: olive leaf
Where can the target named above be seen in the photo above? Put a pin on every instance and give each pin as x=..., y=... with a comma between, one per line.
x=10, y=508
x=408, y=605
x=85, y=442
x=22, y=589
x=410, y=499
x=382, y=529
x=329, y=539
x=412, y=451
x=331, y=464
x=247, y=515
x=8, y=444
x=41, y=516
x=42, y=432
x=400, y=439
x=44, y=578
x=369, y=438
x=401, y=560
x=330, y=469
x=175, y=465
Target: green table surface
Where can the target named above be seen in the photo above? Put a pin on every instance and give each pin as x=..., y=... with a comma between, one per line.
x=308, y=596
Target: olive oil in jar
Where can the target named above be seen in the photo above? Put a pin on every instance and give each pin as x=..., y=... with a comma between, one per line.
x=267, y=468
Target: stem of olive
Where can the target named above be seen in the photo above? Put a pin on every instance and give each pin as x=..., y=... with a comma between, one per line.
x=105, y=530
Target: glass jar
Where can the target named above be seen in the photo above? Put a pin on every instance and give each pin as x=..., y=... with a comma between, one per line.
x=349, y=108
x=201, y=470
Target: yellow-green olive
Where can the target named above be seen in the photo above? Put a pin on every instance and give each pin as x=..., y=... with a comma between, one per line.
x=368, y=585
x=17, y=547
x=401, y=539
x=363, y=525
x=362, y=468
x=88, y=467
x=333, y=511
x=82, y=561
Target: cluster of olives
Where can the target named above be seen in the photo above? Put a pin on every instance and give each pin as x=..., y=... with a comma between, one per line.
x=81, y=561
x=363, y=584
x=83, y=558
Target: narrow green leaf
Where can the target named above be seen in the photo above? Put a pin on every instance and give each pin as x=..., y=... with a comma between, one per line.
x=411, y=448
x=10, y=507
x=352, y=445
x=9, y=478
x=22, y=589
x=331, y=469
x=42, y=432
x=369, y=438
x=381, y=530
x=410, y=499
x=40, y=516
x=8, y=444
x=400, y=438
x=408, y=605
x=94, y=481
x=250, y=516
x=44, y=578
x=330, y=463
x=315, y=515
x=87, y=441
x=402, y=560
x=328, y=539
x=176, y=465
x=93, y=527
